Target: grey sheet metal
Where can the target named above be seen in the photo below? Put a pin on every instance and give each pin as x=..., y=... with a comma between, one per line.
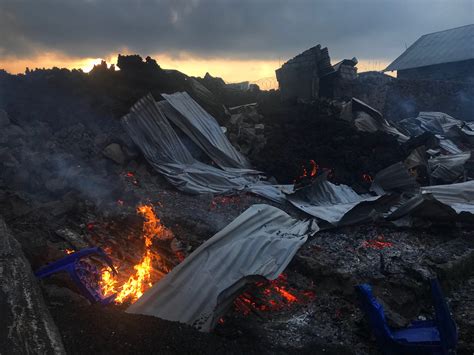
x=416, y=158
x=448, y=168
x=448, y=145
x=434, y=122
x=203, y=129
x=442, y=125
x=260, y=242
x=368, y=119
x=149, y=127
x=394, y=178
x=440, y=201
x=327, y=201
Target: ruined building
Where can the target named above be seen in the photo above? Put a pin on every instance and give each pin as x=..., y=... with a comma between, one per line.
x=310, y=75
x=444, y=55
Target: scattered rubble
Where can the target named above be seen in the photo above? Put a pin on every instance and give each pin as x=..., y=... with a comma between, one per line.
x=246, y=131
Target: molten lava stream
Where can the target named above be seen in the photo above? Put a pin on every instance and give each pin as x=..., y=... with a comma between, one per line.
x=131, y=282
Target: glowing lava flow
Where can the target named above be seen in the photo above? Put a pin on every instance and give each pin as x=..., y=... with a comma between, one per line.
x=137, y=283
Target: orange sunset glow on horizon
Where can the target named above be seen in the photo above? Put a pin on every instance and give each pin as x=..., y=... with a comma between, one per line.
x=231, y=70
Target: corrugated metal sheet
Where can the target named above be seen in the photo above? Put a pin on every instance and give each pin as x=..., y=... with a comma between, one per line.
x=394, y=178
x=149, y=126
x=368, y=119
x=441, y=125
x=260, y=242
x=448, y=168
x=440, y=201
x=329, y=202
x=203, y=129
x=436, y=48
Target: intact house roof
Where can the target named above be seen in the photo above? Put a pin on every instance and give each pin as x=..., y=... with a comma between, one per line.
x=447, y=46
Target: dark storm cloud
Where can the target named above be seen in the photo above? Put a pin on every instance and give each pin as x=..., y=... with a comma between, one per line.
x=233, y=28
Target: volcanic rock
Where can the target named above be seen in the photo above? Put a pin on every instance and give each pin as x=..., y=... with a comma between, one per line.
x=26, y=326
x=114, y=152
x=4, y=120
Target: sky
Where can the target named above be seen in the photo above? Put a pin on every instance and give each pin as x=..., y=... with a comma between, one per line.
x=235, y=39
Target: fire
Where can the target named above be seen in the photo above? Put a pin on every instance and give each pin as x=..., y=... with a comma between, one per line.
x=313, y=172
x=272, y=296
x=143, y=274
x=314, y=168
x=367, y=178
x=69, y=251
x=131, y=176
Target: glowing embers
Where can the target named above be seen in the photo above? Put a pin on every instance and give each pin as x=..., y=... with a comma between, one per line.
x=367, y=178
x=134, y=279
x=270, y=296
x=310, y=170
x=378, y=243
x=130, y=176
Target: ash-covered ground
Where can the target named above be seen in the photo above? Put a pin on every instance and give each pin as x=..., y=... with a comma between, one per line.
x=61, y=188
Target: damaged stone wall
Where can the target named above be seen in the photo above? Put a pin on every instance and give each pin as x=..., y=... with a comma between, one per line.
x=310, y=75
x=245, y=129
x=398, y=99
x=299, y=77
x=406, y=98
x=371, y=87
x=459, y=71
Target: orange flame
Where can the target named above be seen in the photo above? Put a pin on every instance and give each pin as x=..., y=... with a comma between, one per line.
x=69, y=251
x=314, y=168
x=141, y=278
x=273, y=296
x=367, y=178
x=312, y=173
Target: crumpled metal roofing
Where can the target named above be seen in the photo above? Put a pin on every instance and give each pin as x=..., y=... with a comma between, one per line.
x=260, y=242
x=203, y=129
x=447, y=46
x=442, y=125
x=440, y=201
x=434, y=122
x=149, y=126
x=368, y=119
x=448, y=168
x=393, y=178
x=330, y=202
x=416, y=158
